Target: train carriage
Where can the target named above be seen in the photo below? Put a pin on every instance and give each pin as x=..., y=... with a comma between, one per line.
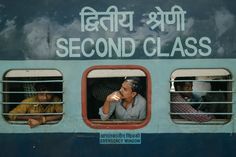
x=84, y=50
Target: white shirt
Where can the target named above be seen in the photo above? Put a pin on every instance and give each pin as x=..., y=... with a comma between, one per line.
x=136, y=111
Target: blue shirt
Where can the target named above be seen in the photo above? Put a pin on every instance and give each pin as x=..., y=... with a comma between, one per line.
x=136, y=111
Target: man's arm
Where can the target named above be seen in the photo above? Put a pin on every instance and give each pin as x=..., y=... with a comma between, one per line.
x=115, y=96
x=187, y=108
x=33, y=122
x=22, y=108
x=107, y=109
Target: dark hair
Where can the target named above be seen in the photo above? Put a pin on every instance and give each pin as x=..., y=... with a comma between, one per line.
x=182, y=83
x=44, y=87
x=135, y=83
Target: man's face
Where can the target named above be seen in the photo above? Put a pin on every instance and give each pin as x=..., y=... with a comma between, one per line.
x=44, y=97
x=188, y=86
x=126, y=90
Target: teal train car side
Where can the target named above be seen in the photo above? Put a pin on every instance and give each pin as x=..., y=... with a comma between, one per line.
x=85, y=49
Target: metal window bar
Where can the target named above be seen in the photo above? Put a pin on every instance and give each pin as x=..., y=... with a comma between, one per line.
x=229, y=91
x=23, y=122
x=31, y=92
x=202, y=113
x=212, y=122
x=35, y=92
x=37, y=81
x=33, y=103
x=31, y=114
x=223, y=80
x=200, y=102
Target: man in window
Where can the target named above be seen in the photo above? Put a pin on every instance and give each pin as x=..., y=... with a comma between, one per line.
x=42, y=102
x=126, y=104
x=186, y=97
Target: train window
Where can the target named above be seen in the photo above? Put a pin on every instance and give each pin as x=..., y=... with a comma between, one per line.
x=32, y=97
x=126, y=91
x=201, y=96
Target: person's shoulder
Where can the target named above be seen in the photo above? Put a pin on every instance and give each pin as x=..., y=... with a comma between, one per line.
x=56, y=99
x=175, y=95
x=30, y=99
x=140, y=99
x=57, y=105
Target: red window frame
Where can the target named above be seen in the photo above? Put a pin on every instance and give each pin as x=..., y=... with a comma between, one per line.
x=114, y=125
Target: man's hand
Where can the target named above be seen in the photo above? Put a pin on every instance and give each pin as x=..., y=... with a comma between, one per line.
x=115, y=96
x=34, y=122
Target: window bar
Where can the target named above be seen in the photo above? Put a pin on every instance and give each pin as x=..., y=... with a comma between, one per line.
x=38, y=81
x=200, y=113
x=33, y=103
x=33, y=92
x=200, y=102
x=229, y=80
x=31, y=114
x=202, y=91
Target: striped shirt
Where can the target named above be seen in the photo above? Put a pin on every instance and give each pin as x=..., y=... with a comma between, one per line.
x=187, y=108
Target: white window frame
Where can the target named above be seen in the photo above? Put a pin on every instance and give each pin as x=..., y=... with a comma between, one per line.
x=29, y=76
x=203, y=76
